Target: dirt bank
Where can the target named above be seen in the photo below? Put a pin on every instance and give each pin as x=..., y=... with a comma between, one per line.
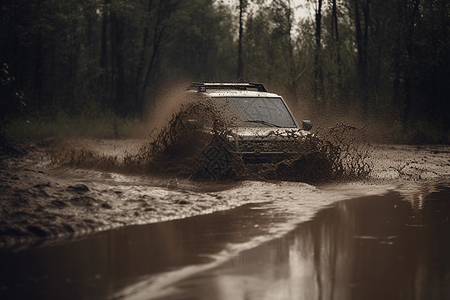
x=41, y=202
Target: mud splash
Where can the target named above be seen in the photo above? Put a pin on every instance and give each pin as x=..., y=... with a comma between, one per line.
x=167, y=151
x=177, y=146
x=333, y=155
x=197, y=131
x=44, y=204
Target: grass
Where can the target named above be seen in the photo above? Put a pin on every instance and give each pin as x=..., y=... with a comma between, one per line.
x=38, y=126
x=425, y=132
x=41, y=126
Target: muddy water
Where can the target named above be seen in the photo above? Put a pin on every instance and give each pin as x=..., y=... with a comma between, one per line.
x=346, y=241
x=377, y=247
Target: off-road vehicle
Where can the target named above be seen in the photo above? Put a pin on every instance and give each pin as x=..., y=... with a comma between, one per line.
x=258, y=128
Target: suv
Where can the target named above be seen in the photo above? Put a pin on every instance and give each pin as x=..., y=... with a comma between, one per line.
x=258, y=128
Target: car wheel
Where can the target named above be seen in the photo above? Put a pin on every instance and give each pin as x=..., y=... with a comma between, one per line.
x=215, y=161
x=311, y=168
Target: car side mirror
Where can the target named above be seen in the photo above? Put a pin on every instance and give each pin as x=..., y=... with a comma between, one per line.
x=306, y=125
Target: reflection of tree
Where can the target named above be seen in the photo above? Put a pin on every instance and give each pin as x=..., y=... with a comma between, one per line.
x=375, y=248
x=323, y=248
x=416, y=195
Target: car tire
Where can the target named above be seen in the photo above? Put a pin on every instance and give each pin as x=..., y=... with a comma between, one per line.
x=310, y=168
x=215, y=161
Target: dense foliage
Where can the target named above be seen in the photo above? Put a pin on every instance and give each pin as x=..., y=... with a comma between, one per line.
x=386, y=60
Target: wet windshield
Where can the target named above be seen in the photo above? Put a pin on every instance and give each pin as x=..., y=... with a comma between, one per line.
x=256, y=111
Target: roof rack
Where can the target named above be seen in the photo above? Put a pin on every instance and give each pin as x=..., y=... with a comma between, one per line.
x=202, y=87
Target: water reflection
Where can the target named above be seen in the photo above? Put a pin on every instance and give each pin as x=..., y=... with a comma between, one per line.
x=378, y=247
x=100, y=266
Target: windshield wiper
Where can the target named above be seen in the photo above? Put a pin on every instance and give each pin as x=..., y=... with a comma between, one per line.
x=262, y=122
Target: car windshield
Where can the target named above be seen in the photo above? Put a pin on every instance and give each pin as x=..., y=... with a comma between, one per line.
x=256, y=111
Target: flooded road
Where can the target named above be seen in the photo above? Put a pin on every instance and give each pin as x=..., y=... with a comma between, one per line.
x=376, y=247
x=104, y=227
x=346, y=241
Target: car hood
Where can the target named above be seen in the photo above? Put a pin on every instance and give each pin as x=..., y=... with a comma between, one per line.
x=269, y=133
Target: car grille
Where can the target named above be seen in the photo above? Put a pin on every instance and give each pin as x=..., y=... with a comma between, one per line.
x=266, y=146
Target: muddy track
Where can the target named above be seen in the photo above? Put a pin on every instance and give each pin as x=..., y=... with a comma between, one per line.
x=42, y=203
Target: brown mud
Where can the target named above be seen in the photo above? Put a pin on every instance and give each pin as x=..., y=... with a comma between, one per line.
x=40, y=201
x=66, y=188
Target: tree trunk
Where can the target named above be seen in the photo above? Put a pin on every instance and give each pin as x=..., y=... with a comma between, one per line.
x=337, y=42
x=119, y=58
x=38, y=74
x=158, y=33
x=359, y=42
x=112, y=86
x=143, y=55
x=103, y=80
x=240, y=66
x=362, y=41
x=366, y=11
x=318, y=76
x=409, y=50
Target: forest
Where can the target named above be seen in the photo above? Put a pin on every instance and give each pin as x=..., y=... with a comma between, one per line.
x=384, y=62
